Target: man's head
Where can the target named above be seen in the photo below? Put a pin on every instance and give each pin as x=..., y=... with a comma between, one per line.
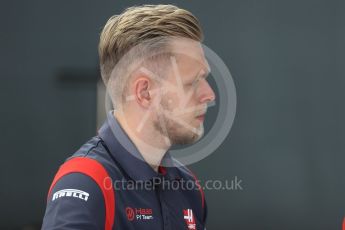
x=139, y=24
x=152, y=61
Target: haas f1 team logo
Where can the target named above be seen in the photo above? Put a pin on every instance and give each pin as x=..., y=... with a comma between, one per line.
x=140, y=214
x=189, y=218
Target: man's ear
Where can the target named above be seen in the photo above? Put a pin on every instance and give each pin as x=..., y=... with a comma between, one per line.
x=142, y=87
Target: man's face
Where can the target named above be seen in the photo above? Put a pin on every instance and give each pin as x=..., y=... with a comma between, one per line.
x=185, y=94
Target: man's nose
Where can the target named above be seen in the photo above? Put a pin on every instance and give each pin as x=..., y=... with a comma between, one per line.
x=207, y=94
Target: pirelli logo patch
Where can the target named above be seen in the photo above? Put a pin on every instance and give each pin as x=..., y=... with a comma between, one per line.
x=71, y=193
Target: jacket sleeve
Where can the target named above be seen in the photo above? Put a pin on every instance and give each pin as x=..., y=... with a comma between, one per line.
x=75, y=202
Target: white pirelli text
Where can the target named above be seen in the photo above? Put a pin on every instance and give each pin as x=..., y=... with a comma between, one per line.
x=71, y=193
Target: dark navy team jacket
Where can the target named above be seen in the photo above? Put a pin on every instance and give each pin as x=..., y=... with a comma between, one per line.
x=144, y=199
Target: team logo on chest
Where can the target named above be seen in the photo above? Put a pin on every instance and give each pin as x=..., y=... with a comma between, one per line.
x=189, y=218
x=139, y=214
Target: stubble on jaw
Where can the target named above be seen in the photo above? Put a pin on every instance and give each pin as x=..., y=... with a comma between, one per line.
x=174, y=131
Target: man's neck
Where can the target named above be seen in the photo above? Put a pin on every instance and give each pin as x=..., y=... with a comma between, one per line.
x=145, y=141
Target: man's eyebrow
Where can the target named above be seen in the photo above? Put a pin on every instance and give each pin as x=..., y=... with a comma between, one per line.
x=201, y=74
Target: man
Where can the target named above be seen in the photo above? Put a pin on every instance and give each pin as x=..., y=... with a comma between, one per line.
x=155, y=71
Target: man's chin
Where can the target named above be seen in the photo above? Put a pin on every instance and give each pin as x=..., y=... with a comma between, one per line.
x=186, y=139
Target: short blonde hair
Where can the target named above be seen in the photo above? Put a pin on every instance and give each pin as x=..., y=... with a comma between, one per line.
x=138, y=24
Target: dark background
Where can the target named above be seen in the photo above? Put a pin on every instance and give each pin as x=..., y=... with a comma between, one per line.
x=287, y=141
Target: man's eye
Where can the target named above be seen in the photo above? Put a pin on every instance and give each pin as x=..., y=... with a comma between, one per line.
x=197, y=80
x=193, y=83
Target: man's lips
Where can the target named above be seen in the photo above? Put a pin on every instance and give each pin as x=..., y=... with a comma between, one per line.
x=201, y=117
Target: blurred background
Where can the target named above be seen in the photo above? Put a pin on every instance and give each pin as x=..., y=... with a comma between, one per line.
x=287, y=143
